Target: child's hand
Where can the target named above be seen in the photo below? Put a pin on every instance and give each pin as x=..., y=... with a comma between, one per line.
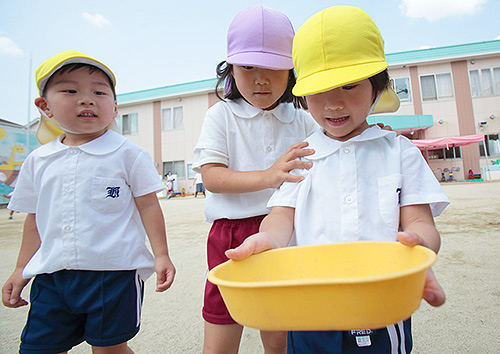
x=279, y=171
x=433, y=292
x=257, y=243
x=165, y=273
x=11, y=291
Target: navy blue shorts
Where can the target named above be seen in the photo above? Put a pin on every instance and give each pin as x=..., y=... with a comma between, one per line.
x=72, y=306
x=393, y=339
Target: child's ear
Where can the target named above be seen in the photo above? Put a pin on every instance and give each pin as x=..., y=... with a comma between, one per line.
x=115, y=111
x=42, y=104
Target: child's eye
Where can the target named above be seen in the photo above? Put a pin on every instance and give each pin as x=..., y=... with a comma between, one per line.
x=99, y=93
x=348, y=87
x=69, y=91
x=248, y=67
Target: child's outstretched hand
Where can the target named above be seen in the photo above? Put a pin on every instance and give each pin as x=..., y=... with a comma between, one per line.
x=165, y=272
x=433, y=292
x=279, y=172
x=257, y=243
x=11, y=291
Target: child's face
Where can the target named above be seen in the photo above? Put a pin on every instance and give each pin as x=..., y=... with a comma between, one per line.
x=262, y=88
x=342, y=111
x=81, y=101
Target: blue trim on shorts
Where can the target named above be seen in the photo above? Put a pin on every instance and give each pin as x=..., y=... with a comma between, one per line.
x=72, y=306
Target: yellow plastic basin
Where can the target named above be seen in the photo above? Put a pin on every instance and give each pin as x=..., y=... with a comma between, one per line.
x=357, y=285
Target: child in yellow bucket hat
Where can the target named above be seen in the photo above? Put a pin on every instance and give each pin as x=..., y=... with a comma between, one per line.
x=369, y=183
x=90, y=195
x=49, y=127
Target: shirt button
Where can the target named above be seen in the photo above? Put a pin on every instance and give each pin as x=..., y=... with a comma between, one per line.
x=349, y=199
x=67, y=228
x=347, y=150
x=267, y=115
x=269, y=148
x=73, y=152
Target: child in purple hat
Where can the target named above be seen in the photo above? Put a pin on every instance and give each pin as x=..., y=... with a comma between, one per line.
x=248, y=144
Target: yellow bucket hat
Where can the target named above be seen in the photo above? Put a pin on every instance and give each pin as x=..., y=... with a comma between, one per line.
x=338, y=46
x=49, y=128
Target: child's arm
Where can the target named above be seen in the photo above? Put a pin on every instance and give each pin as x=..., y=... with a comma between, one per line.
x=11, y=291
x=217, y=178
x=152, y=218
x=275, y=232
x=418, y=228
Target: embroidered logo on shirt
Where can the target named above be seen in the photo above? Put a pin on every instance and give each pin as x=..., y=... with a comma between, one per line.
x=398, y=191
x=113, y=192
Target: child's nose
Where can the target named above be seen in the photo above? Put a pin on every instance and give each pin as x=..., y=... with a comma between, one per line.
x=333, y=101
x=85, y=101
x=261, y=77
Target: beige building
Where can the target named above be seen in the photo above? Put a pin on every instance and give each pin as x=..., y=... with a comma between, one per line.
x=445, y=92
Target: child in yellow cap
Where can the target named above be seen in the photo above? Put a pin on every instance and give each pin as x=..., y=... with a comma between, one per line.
x=90, y=195
x=365, y=183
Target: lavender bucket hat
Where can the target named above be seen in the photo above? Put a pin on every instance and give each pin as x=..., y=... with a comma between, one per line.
x=262, y=37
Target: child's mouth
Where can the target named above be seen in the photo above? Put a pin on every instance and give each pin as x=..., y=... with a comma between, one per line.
x=87, y=115
x=337, y=121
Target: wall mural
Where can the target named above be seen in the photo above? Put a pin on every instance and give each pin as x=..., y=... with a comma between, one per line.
x=15, y=145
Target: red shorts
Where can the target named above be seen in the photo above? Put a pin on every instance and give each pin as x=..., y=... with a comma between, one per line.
x=224, y=234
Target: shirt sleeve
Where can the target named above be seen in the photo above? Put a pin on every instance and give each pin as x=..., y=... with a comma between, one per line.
x=24, y=199
x=287, y=194
x=419, y=184
x=143, y=177
x=212, y=143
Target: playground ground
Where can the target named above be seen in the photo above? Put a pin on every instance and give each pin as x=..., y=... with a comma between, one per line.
x=468, y=268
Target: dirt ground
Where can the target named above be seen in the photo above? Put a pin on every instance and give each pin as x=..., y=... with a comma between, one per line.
x=468, y=268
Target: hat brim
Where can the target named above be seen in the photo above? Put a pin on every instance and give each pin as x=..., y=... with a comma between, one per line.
x=328, y=79
x=261, y=60
x=50, y=66
x=332, y=78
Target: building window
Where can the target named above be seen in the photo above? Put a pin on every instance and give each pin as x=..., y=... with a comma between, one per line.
x=190, y=171
x=485, y=82
x=176, y=167
x=492, y=145
x=436, y=87
x=172, y=118
x=402, y=88
x=445, y=154
x=127, y=124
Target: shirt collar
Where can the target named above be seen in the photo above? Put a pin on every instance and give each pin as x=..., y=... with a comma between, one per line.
x=324, y=146
x=105, y=144
x=284, y=112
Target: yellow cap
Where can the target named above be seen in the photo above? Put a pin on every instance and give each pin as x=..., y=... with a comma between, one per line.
x=49, y=128
x=338, y=46
x=51, y=65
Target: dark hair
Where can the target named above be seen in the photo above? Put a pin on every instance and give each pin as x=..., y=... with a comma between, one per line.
x=224, y=71
x=72, y=67
x=379, y=82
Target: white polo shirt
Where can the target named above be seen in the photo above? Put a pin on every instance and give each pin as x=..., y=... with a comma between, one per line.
x=83, y=197
x=355, y=188
x=246, y=138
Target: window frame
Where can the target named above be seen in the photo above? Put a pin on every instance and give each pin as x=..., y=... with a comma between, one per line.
x=445, y=154
x=439, y=96
x=398, y=90
x=479, y=78
x=167, y=126
x=134, y=124
x=175, y=169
